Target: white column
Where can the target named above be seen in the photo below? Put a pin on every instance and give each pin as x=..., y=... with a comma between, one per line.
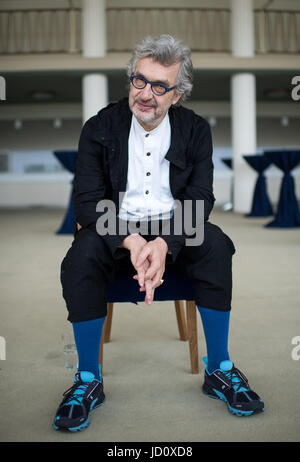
x=242, y=28
x=243, y=105
x=93, y=28
x=243, y=122
x=94, y=85
x=94, y=94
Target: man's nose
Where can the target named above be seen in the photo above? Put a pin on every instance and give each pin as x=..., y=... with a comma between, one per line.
x=147, y=92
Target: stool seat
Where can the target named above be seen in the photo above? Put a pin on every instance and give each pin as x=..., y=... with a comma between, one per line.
x=175, y=287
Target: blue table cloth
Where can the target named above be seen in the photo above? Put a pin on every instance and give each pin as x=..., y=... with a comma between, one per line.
x=227, y=161
x=229, y=205
x=67, y=159
x=261, y=205
x=287, y=215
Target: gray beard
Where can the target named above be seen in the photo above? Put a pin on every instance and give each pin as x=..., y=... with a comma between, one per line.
x=148, y=119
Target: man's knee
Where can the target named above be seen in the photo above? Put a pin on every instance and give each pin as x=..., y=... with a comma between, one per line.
x=216, y=245
x=210, y=264
x=87, y=248
x=84, y=275
x=217, y=241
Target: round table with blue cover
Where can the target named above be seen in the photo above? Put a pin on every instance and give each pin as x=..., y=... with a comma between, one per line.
x=261, y=205
x=67, y=159
x=229, y=205
x=287, y=215
x=227, y=161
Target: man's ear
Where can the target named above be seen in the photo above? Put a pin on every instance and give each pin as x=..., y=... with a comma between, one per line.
x=176, y=98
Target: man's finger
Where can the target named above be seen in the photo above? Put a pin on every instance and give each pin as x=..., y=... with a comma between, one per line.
x=143, y=256
x=141, y=276
x=156, y=280
x=152, y=270
x=149, y=292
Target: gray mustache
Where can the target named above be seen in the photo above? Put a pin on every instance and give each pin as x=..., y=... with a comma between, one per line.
x=138, y=100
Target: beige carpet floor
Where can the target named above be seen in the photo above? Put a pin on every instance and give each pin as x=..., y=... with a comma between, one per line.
x=151, y=394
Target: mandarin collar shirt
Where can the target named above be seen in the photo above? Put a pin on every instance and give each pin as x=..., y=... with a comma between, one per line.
x=148, y=195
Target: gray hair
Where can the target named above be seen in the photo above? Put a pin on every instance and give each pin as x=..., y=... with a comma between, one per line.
x=166, y=50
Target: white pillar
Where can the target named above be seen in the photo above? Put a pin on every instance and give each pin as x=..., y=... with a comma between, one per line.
x=242, y=28
x=93, y=28
x=243, y=139
x=243, y=105
x=94, y=85
x=94, y=94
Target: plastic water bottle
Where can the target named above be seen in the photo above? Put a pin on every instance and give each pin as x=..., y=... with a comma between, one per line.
x=70, y=352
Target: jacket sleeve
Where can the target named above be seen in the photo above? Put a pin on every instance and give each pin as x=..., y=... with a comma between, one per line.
x=90, y=184
x=199, y=185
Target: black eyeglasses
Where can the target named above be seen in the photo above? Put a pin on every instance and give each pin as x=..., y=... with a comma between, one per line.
x=157, y=88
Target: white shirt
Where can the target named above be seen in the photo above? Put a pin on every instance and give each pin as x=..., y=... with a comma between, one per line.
x=148, y=194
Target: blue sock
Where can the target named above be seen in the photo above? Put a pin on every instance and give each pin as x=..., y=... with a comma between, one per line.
x=216, y=330
x=87, y=336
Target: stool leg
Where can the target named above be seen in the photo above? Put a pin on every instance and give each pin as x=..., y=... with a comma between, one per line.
x=106, y=332
x=191, y=314
x=108, y=321
x=179, y=307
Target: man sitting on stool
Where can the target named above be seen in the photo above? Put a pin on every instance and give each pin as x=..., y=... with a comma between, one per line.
x=156, y=152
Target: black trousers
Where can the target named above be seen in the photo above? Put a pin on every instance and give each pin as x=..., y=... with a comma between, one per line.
x=89, y=267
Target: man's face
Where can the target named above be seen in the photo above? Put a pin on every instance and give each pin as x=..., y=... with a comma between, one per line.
x=148, y=108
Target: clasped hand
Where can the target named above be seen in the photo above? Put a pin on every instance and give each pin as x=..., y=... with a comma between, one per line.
x=149, y=259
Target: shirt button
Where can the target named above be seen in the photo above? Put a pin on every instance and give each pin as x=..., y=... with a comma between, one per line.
x=148, y=154
x=147, y=192
x=147, y=135
x=148, y=173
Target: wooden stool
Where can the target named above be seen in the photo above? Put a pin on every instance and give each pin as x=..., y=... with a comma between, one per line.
x=187, y=330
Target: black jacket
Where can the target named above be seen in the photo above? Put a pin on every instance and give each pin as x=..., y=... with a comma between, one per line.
x=102, y=165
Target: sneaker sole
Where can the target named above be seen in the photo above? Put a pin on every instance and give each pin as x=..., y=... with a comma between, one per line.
x=232, y=410
x=80, y=427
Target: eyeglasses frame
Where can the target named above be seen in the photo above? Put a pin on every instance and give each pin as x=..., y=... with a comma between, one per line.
x=167, y=89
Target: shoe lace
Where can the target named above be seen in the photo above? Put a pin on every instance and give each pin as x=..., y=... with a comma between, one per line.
x=75, y=393
x=238, y=381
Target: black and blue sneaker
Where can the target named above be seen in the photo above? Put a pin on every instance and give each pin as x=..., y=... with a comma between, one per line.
x=230, y=385
x=85, y=395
